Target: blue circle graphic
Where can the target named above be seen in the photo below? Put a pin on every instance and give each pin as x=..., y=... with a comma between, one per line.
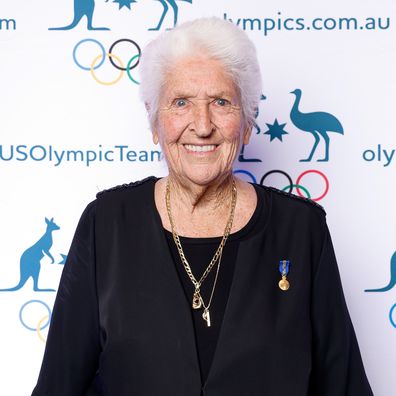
x=31, y=302
x=245, y=172
x=92, y=41
x=393, y=323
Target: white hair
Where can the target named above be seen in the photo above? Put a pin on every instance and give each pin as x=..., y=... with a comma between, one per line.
x=213, y=37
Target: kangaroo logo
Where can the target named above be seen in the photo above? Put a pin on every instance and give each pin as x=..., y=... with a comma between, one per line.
x=30, y=260
x=241, y=157
x=318, y=123
x=86, y=8
x=82, y=8
x=392, y=281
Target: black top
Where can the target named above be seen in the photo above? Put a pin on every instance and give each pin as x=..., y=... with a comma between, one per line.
x=121, y=315
x=199, y=252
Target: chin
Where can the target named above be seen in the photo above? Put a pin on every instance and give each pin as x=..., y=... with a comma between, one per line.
x=204, y=177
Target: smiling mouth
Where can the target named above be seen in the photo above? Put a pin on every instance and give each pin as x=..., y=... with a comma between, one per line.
x=200, y=149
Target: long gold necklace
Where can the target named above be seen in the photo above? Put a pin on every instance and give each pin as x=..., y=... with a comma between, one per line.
x=197, y=300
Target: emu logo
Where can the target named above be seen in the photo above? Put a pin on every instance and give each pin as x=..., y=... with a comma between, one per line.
x=318, y=123
x=30, y=260
x=86, y=8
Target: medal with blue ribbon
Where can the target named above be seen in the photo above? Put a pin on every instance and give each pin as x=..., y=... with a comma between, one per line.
x=284, y=266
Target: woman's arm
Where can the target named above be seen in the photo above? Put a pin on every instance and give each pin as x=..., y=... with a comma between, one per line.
x=72, y=351
x=337, y=365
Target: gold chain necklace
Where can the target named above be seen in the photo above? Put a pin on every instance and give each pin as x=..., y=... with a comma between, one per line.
x=197, y=301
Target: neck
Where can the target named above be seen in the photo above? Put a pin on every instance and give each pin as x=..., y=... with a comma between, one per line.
x=296, y=103
x=194, y=198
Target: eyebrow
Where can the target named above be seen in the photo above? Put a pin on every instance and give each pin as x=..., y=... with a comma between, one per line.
x=184, y=94
x=221, y=94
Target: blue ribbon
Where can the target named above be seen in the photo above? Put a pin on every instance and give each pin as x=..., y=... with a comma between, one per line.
x=284, y=267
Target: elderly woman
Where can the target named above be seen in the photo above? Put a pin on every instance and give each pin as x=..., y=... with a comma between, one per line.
x=200, y=283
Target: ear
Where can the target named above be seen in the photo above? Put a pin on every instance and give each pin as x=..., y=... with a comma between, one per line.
x=155, y=137
x=47, y=221
x=247, y=133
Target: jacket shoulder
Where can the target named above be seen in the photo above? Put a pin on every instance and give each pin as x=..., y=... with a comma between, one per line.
x=289, y=197
x=126, y=187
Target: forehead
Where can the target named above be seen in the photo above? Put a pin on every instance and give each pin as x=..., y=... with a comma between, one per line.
x=198, y=76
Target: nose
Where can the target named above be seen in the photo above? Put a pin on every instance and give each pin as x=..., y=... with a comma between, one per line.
x=202, y=122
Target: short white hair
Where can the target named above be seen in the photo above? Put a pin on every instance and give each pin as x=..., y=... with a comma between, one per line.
x=213, y=37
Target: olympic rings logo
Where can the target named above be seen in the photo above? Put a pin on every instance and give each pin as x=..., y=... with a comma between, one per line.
x=290, y=185
x=42, y=323
x=392, y=320
x=99, y=60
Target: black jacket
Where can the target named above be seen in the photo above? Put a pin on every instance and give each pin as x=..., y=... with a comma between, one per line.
x=121, y=316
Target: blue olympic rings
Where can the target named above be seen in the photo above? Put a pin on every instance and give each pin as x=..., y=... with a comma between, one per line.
x=92, y=41
x=393, y=323
x=245, y=172
x=40, y=327
x=290, y=186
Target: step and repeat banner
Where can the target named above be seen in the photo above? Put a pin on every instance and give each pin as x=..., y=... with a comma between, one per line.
x=71, y=124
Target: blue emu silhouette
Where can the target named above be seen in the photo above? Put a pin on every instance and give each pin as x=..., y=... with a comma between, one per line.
x=392, y=281
x=86, y=8
x=30, y=260
x=175, y=9
x=318, y=123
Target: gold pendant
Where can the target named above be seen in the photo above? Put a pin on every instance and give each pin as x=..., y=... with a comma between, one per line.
x=197, y=301
x=206, y=316
x=284, y=284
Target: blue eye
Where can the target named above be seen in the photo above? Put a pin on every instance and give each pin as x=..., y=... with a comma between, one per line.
x=180, y=102
x=222, y=102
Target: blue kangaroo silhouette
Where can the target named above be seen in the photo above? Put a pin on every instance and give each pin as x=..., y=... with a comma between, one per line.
x=241, y=157
x=392, y=281
x=82, y=8
x=86, y=8
x=30, y=260
x=255, y=125
x=318, y=123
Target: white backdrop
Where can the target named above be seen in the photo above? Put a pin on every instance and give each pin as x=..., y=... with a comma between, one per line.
x=64, y=136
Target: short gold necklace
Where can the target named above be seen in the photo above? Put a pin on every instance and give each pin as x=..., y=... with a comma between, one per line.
x=197, y=301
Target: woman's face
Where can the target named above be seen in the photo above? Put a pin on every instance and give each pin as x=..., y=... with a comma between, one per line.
x=200, y=124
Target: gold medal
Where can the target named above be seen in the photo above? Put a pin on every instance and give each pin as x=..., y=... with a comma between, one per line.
x=284, y=284
x=284, y=266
